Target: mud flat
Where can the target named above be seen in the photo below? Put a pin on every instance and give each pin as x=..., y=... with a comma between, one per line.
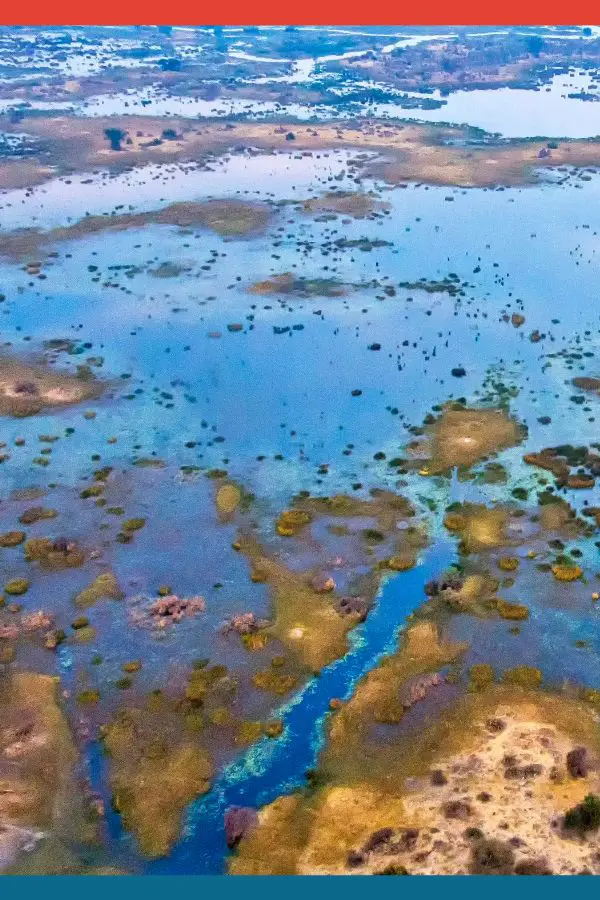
x=356, y=204
x=229, y=218
x=431, y=154
x=289, y=284
x=461, y=437
x=27, y=389
x=41, y=805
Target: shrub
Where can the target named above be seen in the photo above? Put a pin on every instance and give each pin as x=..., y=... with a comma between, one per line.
x=585, y=816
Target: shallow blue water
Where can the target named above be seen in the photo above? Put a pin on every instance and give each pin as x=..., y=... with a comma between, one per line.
x=271, y=768
x=290, y=395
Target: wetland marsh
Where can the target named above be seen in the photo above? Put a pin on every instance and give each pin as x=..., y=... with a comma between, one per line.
x=300, y=456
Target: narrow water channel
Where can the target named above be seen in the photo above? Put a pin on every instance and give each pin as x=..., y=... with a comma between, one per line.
x=270, y=768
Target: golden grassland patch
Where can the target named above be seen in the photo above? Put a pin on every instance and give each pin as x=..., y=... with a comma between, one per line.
x=405, y=152
x=484, y=788
x=227, y=217
x=461, y=437
x=27, y=388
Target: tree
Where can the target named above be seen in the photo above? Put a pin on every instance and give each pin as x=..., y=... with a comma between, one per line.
x=170, y=64
x=114, y=136
x=535, y=44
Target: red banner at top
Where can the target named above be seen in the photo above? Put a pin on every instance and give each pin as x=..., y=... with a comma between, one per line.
x=309, y=12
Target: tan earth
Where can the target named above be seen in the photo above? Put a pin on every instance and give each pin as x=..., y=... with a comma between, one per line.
x=485, y=792
x=406, y=152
